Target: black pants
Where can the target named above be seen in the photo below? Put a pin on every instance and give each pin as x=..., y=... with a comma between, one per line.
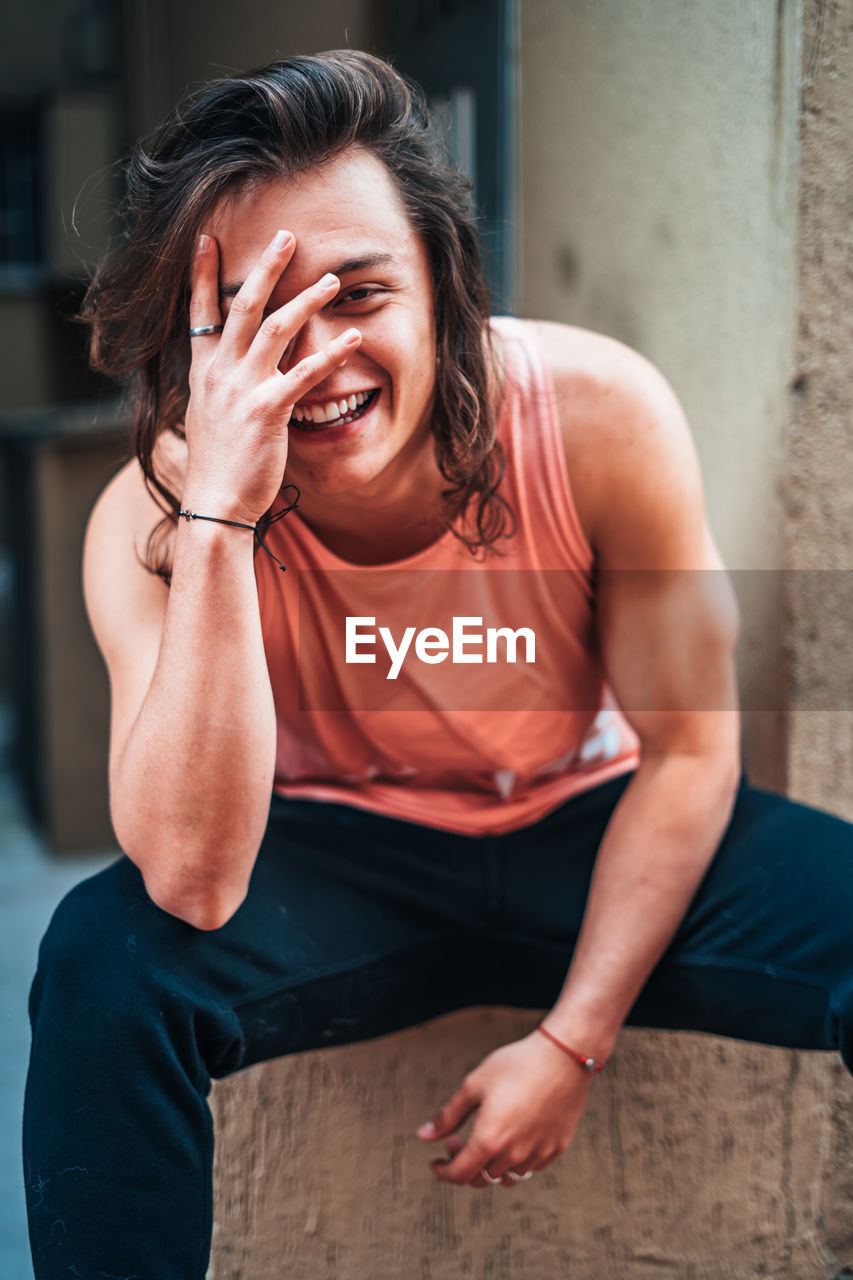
x=356, y=925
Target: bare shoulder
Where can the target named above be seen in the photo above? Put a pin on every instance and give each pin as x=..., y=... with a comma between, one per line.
x=594, y=365
x=123, y=516
x=630, y=454
x=123, y=598
x=123, y=520
x=126, y=602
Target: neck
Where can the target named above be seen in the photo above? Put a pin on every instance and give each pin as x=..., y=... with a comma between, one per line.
x=367, y=527
x=360, y=531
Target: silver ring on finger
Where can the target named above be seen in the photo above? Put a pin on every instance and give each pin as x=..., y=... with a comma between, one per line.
x=518, y=1177
x=201, y=329
x=494, y=1181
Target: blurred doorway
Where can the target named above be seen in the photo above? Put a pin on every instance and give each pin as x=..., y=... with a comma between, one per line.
x=465, y=55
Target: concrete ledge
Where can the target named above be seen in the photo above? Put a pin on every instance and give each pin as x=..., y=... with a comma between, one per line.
x=697, y=1158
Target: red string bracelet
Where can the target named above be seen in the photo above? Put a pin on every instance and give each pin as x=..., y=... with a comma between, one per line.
x=588, y=1064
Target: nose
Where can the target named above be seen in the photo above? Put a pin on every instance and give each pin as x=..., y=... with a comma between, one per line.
x=315, y=334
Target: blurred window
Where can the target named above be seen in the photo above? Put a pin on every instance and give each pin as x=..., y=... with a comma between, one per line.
x=20, y=186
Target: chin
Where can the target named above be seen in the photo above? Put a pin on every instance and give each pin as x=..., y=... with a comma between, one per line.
x=335, y=481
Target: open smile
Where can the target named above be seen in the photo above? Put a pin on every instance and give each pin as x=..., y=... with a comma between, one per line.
x=333, y=413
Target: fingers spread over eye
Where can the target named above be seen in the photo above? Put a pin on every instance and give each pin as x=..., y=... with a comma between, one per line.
x=247, y=306
x=281, y=327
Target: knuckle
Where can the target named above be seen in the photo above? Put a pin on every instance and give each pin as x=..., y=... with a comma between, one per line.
x=273, y=328
x=260, y=410
x=310, y=369
x=488, y=1141
x=242, y=304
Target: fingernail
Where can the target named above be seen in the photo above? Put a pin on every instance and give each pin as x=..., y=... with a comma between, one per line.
x=328, y=281
x=202, y=245
x=281, y=239
x=351, y=337
x=427, y=1130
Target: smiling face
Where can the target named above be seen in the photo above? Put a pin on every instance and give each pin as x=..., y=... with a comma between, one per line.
x=364, y=432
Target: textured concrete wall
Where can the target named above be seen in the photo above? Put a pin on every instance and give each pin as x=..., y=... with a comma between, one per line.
x=820, y=461
x=820, y=494
x=659, y=206
x=659, y=184
x=696, y=1159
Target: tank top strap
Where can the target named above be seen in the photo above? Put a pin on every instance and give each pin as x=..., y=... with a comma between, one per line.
x=539, y=488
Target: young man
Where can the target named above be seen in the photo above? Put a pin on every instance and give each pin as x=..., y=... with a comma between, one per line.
x=326, y=840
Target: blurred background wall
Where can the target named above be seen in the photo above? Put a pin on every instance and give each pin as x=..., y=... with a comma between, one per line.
x=671, y=172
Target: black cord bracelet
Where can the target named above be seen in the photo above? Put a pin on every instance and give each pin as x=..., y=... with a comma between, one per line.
x=236, y=524
x=193, y=515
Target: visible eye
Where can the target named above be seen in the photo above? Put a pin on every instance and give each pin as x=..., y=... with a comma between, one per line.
x=359, y=294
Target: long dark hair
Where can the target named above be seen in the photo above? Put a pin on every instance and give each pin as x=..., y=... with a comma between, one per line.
x=267, y=124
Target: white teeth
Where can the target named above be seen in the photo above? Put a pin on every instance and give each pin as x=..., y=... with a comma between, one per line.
x=334, y=409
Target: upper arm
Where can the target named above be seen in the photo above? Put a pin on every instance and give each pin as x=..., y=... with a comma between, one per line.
x=665, y=610
x=126, y=603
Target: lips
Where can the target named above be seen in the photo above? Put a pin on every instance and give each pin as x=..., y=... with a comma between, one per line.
x=333, y=413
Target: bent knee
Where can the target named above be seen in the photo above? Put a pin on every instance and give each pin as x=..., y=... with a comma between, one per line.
x=103, y=918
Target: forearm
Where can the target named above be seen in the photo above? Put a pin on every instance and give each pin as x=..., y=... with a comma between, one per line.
x=190, y=789
x=657, y=848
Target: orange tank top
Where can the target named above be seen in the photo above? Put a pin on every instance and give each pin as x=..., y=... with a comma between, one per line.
x=458, y=693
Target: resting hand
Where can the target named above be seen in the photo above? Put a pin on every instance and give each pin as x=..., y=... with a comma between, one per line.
x=528, y=1097
x=240, y=400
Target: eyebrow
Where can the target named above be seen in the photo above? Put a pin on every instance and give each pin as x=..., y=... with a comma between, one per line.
x=363, y=263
